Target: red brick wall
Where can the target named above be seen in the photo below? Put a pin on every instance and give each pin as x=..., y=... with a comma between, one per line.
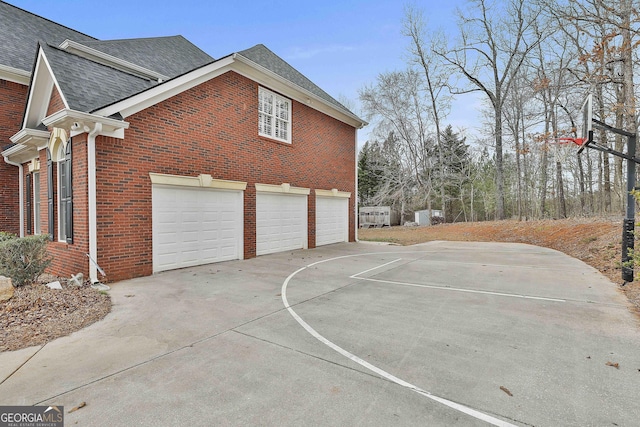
x=12, y=102
x=55, y=102
x=211, y=129
x=71, y=258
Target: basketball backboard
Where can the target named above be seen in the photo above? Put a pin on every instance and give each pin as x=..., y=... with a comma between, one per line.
x=587, y=121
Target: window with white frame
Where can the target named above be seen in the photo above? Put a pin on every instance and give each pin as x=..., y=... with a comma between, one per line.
x=36, y=203
x=65, y=196
x=274, y=115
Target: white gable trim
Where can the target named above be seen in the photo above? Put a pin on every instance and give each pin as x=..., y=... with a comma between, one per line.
x=240, y=65
x=14, y=75
x=40, y=92
x=268, y=78
x=111, y=61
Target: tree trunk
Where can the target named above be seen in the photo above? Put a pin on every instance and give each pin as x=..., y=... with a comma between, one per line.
x=499, y=167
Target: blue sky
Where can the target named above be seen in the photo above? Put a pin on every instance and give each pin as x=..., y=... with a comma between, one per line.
x=340, y=45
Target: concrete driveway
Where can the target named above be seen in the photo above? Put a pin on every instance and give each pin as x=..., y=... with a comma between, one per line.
x=440, y=334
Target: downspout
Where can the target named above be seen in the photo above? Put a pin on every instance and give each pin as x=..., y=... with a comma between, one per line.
x=93, y=222
x=355, y=204
x=21, y=184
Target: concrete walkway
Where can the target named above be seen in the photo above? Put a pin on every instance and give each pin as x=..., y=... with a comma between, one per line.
x=445, y=333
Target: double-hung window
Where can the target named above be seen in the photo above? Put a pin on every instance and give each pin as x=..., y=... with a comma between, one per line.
x=36, y=203
x=65, y=193
x=274, y=116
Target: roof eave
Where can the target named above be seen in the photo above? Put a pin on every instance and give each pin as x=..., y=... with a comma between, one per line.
x=239, y=64
x=15, y=75
x=111, y=61
x=79, y=122
x=299, y=93
x=27, y=144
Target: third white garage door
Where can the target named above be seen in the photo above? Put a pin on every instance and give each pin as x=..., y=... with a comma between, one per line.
x=332, y=220
x=281, y=222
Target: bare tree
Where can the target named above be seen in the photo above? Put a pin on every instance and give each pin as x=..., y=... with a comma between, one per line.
x=493, y=47
x=436, y=79
x=396, y=104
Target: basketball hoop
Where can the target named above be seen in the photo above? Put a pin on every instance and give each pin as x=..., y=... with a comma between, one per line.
x=569, y=140
x=563, y=141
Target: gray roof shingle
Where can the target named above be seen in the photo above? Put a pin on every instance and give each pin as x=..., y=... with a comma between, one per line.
x=170, y=56
x=261, y=55
x=20, y=32
x=87, y=85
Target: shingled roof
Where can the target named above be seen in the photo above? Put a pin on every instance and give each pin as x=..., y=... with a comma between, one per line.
x=87, y=85
x=264, y=57
x=20, y=32
x=170, y=56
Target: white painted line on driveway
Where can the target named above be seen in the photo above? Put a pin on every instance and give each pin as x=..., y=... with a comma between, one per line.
x=449, y=288
x=355, y=276
x=458, y=407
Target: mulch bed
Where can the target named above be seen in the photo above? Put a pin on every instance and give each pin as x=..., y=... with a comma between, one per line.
x=36, y=314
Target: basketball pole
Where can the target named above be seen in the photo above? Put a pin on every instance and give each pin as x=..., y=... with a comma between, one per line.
x=628, y=224
x=629, y=221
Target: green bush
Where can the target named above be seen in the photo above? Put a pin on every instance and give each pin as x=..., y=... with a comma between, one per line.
x=4, y=236
x=23, y=259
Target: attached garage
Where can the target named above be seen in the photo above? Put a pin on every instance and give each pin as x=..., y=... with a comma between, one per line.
x=197, y=223
x=281, y=218
x=332, y=217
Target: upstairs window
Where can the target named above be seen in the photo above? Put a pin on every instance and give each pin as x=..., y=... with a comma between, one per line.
x=274, y=116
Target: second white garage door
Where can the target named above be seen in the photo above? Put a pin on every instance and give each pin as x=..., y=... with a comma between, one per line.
x=332, y=220
x=193, y=226
x=281, y=222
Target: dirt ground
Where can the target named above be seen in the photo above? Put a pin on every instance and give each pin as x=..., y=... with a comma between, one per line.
x=36, y=314
x=597, y=242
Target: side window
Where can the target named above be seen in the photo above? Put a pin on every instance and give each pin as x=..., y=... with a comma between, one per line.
x=36, y=203
x=29, y=198
x=274, y=115
x=65, y=195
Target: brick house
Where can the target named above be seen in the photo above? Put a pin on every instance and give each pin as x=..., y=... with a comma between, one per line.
x=144, y=155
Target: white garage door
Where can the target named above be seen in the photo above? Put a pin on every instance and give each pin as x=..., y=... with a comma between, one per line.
x=332, y=220
x=193, y=226
x=281, y=222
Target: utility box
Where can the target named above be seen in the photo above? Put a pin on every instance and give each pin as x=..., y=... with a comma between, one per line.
x=374, y=216
x=424, y=217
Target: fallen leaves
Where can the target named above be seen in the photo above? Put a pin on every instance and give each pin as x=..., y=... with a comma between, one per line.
x=80, y=406
x=36, y=314
x=506, y=390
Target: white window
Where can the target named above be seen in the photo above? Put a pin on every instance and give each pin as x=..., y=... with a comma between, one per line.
x=64, y=194
x=36, y=203
x=274, y=116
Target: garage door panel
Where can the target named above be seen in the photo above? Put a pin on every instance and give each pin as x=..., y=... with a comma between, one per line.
x=332, y=220
x=193, y=226
x=281, y=223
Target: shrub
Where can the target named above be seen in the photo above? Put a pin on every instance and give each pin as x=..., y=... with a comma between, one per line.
x=4, y=236
x=23, y=259
x=435, y=220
